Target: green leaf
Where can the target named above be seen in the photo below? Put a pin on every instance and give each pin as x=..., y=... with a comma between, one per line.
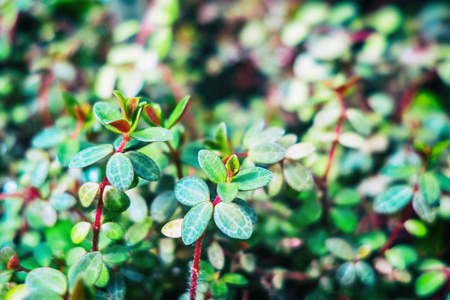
x=267, y=136
x=416, y=228
x=88, y=268
x=191, y=191
x=401, y=256
x=67, y=150
x=216, y=255
x=346, y=274
x=221, y=138
x=276, y=184
x=430, y=282
x=358, y=121
x=252, y=178
x=233, y=221
x=227, y=191
x=80, y=232
x=347, y=197
x=212, y=166
x=115, y=200
x=122, y=101
x=62, y=201
x=233, y=165
x=41, y=294
x=297, y=176
x=48, y=279
x=340, y=248
x=299, y=151
x=74, y=254
x=267, y=153
x=344, y=219
x=219, y=290
x=178, y=113
x=236, y=279
x=88, y=192
x=423, y=210
x=40, y=174
x=152, y=114
x=429, y=188
x=163, y=206
x=144, y=166
x=104, y=277
x=113, y=231
x=107, y=113
x=119, y=171
x=196, y=221
x=137, y=232
x=116, y=254
x=91, y=155
x=47, y=138
x=438, y=148
x=173, y=228
x=365, y=273
x=247, y=209
x=393, y=200
x=6, y=253
x=42, y=253
x=153, y=134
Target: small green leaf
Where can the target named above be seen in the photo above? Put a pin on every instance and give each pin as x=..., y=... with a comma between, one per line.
x=80, y=232
x=163, y=206
x=252, y=178
x=47, y=138
x=119, y=171
x=107, y=113
x=90, y=156
x=416, y=228
x=178, y=113
x=6, y=253
x=401, y=256
x=113, y=230
x=236, y=279
x=216, y=255
x=233, y=221
x=122, y=101
x=88, y=192
x=62, y=201
x=297, y=176
x=358, y=121
x=173, y=228
x=233, y=165
x=191, y=191
x=299, y=151
x=344, y=219
x=144, y=166
x=365, y=273
x=429, y=188
x=116, y=254
x=115, y=200
x=423, y=210
x=219, y=290
x=346, y=274
x=137, y=232
x=40, y=173
x=152, y=134
x=221, y=138
x=74, y=254
x=267, y=153
x=428, y=283
x=212, y=166
x=48, y=279
x=347, y=197
x=67, y=150
x=340, y=248
x=103, y=279
x=276, y=184
x=438, y=148
x=227, y=191
x=196, y=221
x=269, y=135
x=392, y=200
x=247, y=209
x=88, y=268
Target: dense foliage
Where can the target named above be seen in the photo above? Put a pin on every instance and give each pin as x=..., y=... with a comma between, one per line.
x=310, y=160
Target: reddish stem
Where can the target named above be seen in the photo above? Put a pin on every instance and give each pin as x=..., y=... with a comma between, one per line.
x=176, y=159
x=80, y=123
x=217, y=200
x=13, y=195
x=195, y=271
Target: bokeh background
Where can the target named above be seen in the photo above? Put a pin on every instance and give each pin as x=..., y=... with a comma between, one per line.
x=242, y=61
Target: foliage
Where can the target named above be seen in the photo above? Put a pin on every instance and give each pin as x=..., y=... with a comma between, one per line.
x=310, y=162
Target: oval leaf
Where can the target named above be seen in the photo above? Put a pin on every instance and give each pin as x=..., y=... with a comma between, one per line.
x=196, y=221
x=48, y=279
x=300, y=150
x=119, y=171
x=178, y=113
x=392, y=200
x=429, y=282
x=297, y=176
x=247, y=209
x=267, y=153
x=173, y=228
x=212, y=166
x=113, y=230
x=115, y=200
x=88, y=192
x=429, y=188
x=107, y=113
x=252, y=178
x=62, y=201
x=340, y=248
x=163, y=206
x=152, y=134
x=90, y=156
x=227, y=191
x=144, y=166
x=80, y=232
x=191, y=191
x=233, y=221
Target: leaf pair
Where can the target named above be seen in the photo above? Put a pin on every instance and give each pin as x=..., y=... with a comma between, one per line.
x=153, y=114
x=262, y=144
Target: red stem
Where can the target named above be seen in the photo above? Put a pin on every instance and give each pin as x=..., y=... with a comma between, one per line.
x=217, y=200
x=99, y=212
x=195, y=269
x=13, y=195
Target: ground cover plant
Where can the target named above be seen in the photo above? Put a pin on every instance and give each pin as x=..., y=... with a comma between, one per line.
x=224, y=150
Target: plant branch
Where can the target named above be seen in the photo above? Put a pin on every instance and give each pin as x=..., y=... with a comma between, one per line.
x=176, y=159
x=195, y=271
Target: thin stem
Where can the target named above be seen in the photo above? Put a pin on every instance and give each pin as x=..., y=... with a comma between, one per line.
x=80, y=123
x=176, y=160
x=217, y=200
x=12, y=195
x=195, y=271
x=80, y=214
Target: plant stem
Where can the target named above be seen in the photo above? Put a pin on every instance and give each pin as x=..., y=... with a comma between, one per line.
x=217, y=200
x=13, y=195
x=195, y=271
x=176, y=160
x=99, y=212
